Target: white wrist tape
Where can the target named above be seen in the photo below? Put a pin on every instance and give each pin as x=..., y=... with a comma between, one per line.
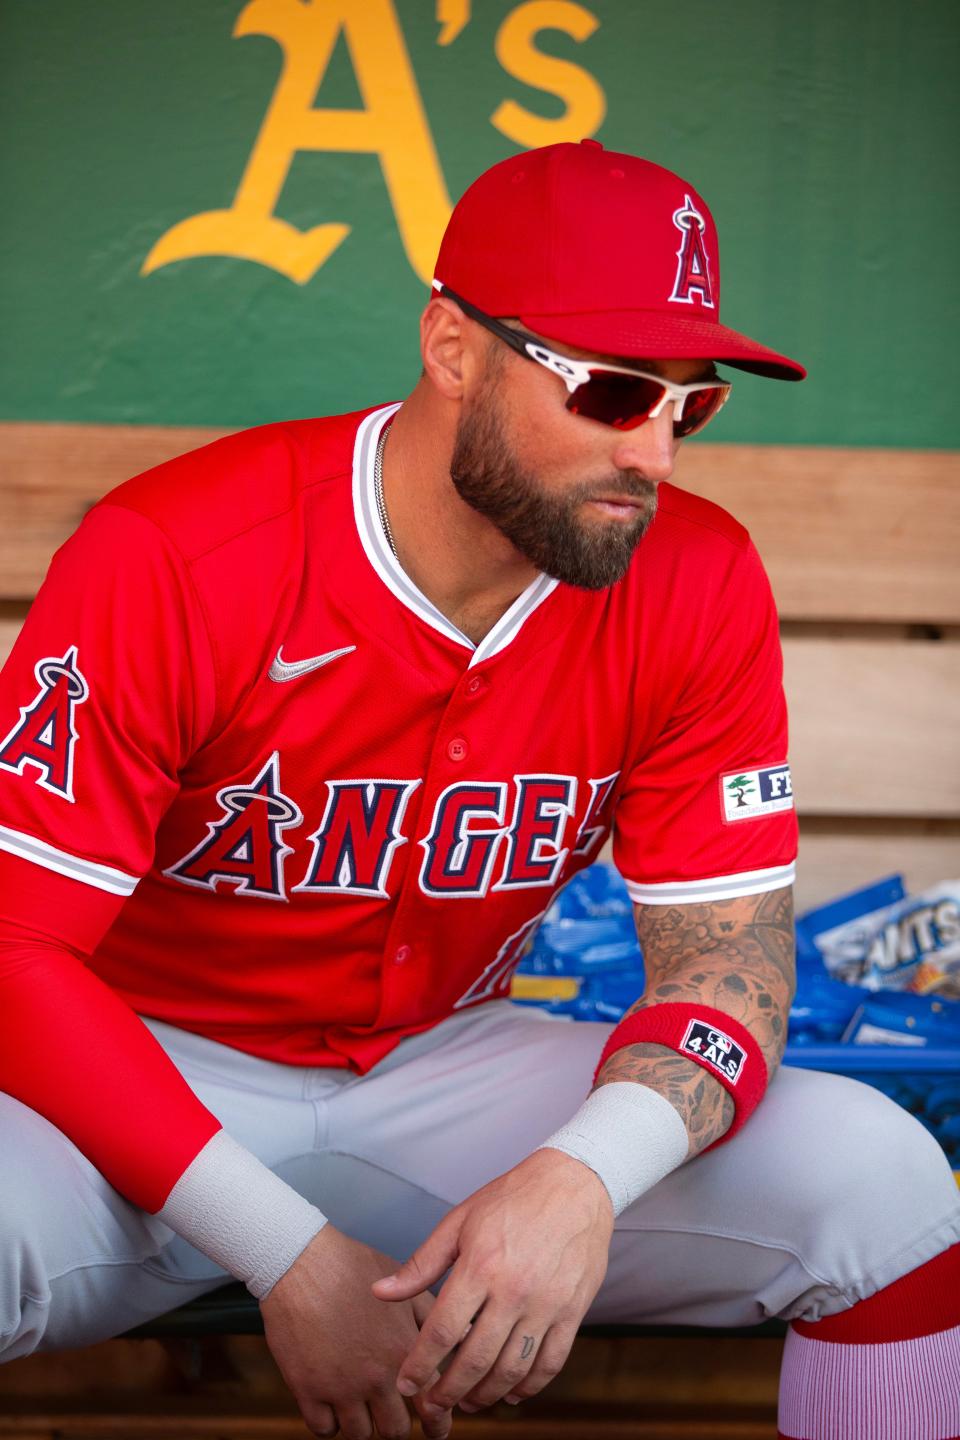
x=232, y=1207
x=629, y=1135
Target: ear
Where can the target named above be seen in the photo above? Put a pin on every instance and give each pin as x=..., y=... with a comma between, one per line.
x=448, y=350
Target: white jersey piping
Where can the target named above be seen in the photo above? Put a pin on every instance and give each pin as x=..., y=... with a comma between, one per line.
x=388, y=568
x=102, y=877
x=720, y=887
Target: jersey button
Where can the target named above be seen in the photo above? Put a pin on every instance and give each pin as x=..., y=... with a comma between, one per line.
x=475, y=684
x=458, y=749
x=402, y=954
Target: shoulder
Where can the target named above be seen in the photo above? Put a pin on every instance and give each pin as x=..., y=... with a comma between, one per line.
x=687, y=519
x=693, y=547
x=695, y=574
x=253, y=479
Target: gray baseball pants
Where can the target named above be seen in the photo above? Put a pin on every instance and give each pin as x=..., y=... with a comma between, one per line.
x=829, y=1193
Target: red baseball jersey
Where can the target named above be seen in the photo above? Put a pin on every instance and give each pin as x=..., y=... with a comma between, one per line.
x=271, y=794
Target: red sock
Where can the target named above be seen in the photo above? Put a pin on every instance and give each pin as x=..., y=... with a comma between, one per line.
x=886, y=1369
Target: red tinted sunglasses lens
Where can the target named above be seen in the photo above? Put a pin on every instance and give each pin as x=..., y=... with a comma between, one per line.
x=623, y=401
x=699, y=407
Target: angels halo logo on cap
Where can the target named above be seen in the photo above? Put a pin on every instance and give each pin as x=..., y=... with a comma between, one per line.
x=600, y=250
x=693, y=267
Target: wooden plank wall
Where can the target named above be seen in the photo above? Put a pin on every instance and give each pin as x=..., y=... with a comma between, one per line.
x=861, y=547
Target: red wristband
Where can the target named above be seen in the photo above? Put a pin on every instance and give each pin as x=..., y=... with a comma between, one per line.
x=710, y=1037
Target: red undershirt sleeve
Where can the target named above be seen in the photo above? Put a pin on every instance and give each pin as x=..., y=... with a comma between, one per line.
x=76, y=1053
x=106, y=694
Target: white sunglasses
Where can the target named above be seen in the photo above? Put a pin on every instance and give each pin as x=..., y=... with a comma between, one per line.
x=612, y=394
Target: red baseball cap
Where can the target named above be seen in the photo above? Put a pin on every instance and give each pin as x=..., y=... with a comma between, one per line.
x=604, y=251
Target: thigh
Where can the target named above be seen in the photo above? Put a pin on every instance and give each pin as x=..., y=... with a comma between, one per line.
x=71, y=1248
x=829, y=1192
x=78, y=1262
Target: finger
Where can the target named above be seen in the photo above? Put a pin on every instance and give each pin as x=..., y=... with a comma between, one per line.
x=437, y=1423
x=355, y=1421
x=422, y=1305
x=513, y=1365
x=442, y=1330
x=390, y=1414
x=320, y=1420
x=477, y=1356
x=548, y=1362
x=415, y=1399
x=427, y=1263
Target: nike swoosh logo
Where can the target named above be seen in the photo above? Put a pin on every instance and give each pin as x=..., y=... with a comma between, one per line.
x=281, y=671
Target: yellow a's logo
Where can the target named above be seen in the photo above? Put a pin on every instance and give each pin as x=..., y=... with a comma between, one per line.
x=392, y=124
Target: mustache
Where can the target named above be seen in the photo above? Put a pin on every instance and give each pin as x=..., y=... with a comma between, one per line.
x=622, y=482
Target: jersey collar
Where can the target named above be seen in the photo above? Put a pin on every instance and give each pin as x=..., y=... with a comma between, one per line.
x=388, y=568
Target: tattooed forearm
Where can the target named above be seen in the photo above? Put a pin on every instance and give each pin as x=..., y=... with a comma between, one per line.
x=734, y=955
x=703, y=1104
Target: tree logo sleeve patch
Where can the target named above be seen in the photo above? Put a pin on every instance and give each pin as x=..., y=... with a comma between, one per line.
x=749, y=794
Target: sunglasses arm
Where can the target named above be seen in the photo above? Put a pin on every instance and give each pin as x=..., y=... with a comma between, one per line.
x=572, y=372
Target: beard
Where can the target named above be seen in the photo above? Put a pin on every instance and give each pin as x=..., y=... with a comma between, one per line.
x=545, y=528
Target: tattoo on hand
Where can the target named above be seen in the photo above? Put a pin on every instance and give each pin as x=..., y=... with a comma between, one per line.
x=528, y=1344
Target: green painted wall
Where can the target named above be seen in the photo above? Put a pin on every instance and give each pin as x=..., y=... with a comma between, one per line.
x=822, y=133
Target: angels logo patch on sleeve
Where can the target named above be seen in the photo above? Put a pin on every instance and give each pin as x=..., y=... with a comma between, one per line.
x=714, y=1048
x=749, y=794
x=45, y=735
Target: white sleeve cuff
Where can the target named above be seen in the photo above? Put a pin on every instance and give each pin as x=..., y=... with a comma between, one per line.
x=235, y=1210
x=629, y=1135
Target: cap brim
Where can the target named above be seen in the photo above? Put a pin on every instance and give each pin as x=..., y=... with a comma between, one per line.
x=652, y=335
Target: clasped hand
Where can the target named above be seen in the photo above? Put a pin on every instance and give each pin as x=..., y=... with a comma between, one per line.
x=528, y=1254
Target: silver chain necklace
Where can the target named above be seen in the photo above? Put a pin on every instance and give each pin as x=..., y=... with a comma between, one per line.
x=378, y=488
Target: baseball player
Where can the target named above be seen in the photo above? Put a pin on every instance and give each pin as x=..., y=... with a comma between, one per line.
x=300, y=739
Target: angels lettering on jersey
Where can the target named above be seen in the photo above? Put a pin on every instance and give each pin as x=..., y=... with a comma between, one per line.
x=476, y=840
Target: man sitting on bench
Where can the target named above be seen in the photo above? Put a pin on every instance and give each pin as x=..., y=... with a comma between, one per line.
x=302, y=735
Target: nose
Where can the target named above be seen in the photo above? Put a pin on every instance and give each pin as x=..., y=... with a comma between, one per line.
x=650, y=449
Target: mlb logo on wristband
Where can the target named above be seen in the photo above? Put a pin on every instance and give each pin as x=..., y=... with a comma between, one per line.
x=748, y=794
x=714, y=1048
